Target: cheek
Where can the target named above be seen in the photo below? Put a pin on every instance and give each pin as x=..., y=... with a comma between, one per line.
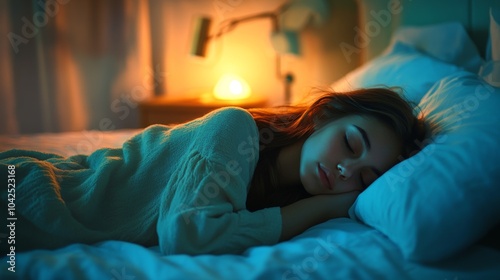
x=326, y=144
x=333, y=148
x=388, y=158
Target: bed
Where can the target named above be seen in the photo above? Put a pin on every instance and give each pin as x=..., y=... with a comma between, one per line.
x=426, y=218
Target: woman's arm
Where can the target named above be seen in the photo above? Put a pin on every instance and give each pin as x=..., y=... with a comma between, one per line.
x=305, y=213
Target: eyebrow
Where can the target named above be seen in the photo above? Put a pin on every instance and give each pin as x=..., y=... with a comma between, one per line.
x=364, y=135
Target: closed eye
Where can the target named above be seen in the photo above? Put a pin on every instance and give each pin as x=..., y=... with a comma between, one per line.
x=347, y=144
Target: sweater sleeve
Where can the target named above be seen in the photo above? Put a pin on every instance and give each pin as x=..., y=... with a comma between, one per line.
x=205, y=212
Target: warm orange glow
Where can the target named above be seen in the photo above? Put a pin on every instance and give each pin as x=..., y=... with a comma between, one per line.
x=231, y=87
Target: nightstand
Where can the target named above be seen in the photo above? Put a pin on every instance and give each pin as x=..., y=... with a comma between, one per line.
x=161, y=110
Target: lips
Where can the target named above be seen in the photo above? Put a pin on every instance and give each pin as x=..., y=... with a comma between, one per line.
x=325, y=178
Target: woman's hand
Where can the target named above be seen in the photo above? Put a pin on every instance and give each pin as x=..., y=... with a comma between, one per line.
x=311, y=211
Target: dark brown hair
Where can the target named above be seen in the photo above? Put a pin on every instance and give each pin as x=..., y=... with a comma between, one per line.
x=282, y=126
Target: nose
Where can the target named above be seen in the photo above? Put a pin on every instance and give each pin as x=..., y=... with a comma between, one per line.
x=346, y=170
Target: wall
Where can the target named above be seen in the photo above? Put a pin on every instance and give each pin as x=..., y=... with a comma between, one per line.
x=247, y=50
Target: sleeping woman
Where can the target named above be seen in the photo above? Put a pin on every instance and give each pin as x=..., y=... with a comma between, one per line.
x=222, y=183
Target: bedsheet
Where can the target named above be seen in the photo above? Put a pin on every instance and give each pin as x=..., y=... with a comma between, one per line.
x=337, y=249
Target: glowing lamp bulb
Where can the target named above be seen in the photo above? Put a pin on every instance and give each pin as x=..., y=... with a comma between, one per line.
x=235, y=87
x=231, y=87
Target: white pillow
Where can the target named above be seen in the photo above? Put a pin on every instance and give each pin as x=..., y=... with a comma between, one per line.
x=448, y=42
x=401, y=65
x=447, y=196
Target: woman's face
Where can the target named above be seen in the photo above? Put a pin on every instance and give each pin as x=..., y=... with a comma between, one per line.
x=361, y=147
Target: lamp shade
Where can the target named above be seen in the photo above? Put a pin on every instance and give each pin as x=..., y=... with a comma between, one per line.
x=300, y=12
x=286, y=42
x=200, y=36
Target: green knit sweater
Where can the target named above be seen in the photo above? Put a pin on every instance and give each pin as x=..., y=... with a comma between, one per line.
x=183, y=188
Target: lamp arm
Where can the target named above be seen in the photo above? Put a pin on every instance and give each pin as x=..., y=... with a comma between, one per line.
x=228, y=27
x=233, y=23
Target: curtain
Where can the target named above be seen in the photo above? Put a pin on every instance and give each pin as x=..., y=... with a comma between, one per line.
x=69, y=65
